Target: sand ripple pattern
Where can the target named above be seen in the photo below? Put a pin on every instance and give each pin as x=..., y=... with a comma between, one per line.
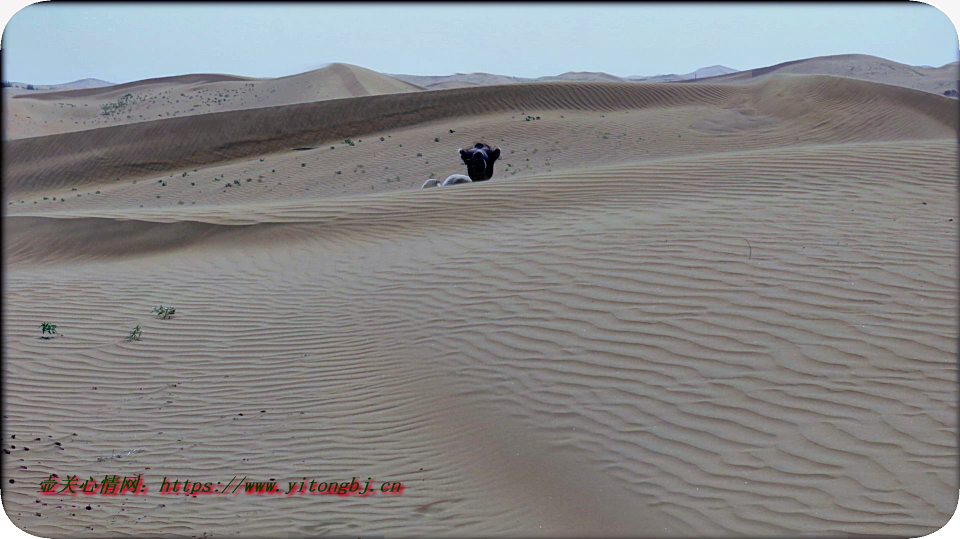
x=759, y=342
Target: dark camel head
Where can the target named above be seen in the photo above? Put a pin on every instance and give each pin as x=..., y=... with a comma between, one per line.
x=479, y=160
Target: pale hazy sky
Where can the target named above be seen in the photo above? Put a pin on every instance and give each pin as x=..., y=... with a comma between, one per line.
x=120, y=42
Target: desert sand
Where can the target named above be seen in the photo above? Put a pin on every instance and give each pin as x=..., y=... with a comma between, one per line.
x=857, y=66
x=31, y=114
x=677, y=309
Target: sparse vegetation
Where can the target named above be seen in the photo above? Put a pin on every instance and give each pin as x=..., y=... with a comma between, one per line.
x=436, y=139
x=164, y=312
x=46, y=328
x=117, y=106
x=135, y=333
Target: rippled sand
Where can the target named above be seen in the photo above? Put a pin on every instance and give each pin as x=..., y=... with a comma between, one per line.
x=678, y=309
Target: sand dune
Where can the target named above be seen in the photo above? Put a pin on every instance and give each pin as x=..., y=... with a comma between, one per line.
x=459, y=80
x=464, y=80
x=857, y=66
x=713, y=117
x=31, y=115
x=19, y=88
x=703, y=72
x=677, y=310
x=99, y=104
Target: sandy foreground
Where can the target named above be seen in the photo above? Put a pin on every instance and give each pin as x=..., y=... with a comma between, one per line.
x=678, y=309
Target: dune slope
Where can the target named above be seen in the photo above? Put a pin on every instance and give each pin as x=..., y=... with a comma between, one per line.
x=682, y=310
x=32, y=115
x=856, y=66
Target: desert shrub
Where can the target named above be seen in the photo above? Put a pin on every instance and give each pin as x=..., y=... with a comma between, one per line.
x=164, y=312
x=46, y=328
x=135, y=334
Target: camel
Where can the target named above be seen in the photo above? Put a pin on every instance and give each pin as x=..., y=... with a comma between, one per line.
x=479, y=160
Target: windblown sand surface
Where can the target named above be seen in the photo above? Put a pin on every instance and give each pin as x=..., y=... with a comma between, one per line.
x=857, y=66
x=678, y=309
x=48, y=113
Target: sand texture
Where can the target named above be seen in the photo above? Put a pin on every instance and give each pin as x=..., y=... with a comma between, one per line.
x=32, y=114
x=676, y=310
x=857, y=66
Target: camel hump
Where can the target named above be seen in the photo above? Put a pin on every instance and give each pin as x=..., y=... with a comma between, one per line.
x=456, y=179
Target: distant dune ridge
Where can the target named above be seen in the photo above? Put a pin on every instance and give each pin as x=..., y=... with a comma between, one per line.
x=460, y=80
x=75, y=85
x=677, y=309
x=30, y=115
x=92, y=105
x=858, y=66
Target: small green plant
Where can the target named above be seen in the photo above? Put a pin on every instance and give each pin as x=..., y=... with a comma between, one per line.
x=303, y=164
x=164, y=313
x=46, y=328
x=436, y=139
x=382, y=139
x=135, y=334
x=419, y=155
x=452, y=131
x=236, y=182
